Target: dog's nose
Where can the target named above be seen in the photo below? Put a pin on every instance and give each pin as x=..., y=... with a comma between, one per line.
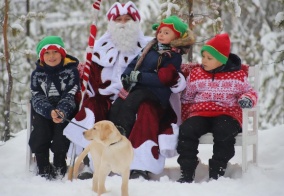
x=83, y=133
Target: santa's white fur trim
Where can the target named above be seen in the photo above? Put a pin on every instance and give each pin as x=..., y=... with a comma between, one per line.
x=144, y=160
x=180, y=86
x=75, y=133
x=168, y=143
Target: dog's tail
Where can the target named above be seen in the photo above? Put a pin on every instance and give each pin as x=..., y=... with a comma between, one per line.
x=79, y=160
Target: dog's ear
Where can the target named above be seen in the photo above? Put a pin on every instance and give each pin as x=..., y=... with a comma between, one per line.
x=105, y=132
x=110, y=134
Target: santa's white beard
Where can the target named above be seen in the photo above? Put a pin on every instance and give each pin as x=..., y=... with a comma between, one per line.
x=124, y=36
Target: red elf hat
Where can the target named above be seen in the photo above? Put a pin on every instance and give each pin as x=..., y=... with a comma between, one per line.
x=219, y=47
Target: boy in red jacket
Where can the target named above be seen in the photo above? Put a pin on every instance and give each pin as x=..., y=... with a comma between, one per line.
x=215, y=94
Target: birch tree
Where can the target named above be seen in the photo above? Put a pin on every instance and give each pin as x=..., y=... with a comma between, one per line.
x=8, y=90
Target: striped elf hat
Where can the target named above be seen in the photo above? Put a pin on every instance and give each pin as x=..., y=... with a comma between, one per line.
x=50, y=43
x=219, y=47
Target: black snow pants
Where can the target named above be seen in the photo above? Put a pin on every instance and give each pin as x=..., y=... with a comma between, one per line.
x=224, y=129
x=123, y=111
x=47, y=135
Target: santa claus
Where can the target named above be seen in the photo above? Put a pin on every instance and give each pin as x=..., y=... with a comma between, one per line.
x=154, y=135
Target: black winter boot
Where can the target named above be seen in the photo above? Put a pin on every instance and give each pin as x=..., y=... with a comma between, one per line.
x=188, y=172
x=216, y=169
x=187, y=176
x=45, y=169
x=135, y=174
x=47, y=172
x=59, y=162
x=86, y=173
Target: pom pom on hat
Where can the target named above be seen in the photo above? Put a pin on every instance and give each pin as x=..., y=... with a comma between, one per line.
x=219, y=47
x=174, y=23
x=118, y=9
x=50, y=43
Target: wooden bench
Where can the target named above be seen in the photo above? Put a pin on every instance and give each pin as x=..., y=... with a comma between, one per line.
x=249, y=136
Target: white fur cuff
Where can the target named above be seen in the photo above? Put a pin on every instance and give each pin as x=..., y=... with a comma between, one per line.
x=180, y=86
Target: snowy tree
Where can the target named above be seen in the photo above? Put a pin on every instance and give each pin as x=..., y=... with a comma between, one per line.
x=13, y=87
x=256, y=31
x=7, y=92
x=258, y=41
x=272, y=89
x=255, y=27
x=279, y=22
x=203, y=17
x=30, y=21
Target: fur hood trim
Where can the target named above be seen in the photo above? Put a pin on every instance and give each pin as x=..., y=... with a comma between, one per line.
x=185, y=41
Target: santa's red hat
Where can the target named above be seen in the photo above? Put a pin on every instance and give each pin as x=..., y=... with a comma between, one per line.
x=219, y=47
x=119, y=9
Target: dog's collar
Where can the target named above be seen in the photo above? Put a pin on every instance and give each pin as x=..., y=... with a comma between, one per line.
x=115, y=142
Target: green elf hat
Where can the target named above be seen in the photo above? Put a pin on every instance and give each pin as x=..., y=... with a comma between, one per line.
x=219, y=47
x=50, y=43
x=174, y=23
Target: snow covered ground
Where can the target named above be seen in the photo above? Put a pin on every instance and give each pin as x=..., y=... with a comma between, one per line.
x=266, y=179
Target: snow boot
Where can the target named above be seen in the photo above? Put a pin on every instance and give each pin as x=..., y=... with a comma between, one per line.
x=45, y=169
x=216, y=169
x=86, y=173
x=188, y=172
x=135, y=174
x=47, y=172
x=59, y=162
x=187, y=176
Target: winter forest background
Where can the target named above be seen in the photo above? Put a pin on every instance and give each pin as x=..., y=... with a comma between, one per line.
x=256, y=28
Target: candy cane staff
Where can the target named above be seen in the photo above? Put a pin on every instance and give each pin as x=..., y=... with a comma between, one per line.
x=85, y=78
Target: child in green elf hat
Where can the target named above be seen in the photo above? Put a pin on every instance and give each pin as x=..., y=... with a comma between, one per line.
x=54, y=83
x=151, y=74
x=216, y=91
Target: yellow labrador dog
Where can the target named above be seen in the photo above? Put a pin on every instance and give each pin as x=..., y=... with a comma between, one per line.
x=110, y=151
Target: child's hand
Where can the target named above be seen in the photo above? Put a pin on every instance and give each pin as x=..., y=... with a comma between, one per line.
x=134, y=76
x=245, y=102
x=55, y=117
x=125, y=81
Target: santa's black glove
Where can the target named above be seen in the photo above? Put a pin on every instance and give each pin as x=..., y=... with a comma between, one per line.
x=245, y=102
x=125, y=81
x=135, y=76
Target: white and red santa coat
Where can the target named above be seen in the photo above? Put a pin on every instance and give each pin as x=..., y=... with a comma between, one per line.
x=152, y=144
